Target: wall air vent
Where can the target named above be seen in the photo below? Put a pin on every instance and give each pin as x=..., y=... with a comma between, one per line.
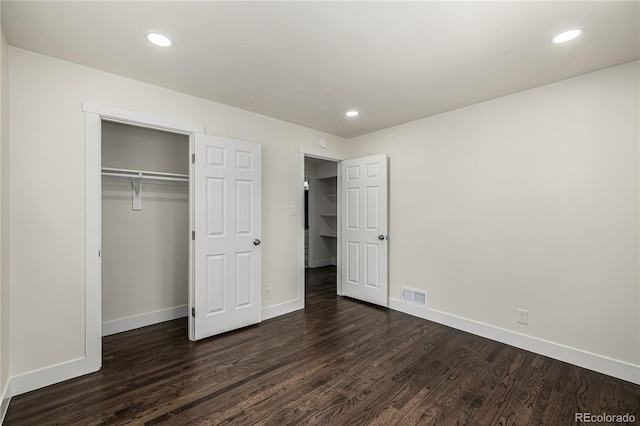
x=412, y=295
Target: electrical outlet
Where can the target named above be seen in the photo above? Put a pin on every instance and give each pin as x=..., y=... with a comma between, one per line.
x=293, y=209
x=522, y=316
x=269, y=292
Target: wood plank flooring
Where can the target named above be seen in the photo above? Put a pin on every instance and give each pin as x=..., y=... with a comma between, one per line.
x=338, y=362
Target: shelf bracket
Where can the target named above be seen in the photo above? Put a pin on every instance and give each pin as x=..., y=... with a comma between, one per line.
x=136, y=184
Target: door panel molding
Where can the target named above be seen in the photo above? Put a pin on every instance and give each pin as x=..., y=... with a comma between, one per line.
x=365, y=194
x=227, y=225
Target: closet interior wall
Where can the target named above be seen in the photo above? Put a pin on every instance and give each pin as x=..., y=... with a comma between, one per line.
x=321, y=237
x=145, y=252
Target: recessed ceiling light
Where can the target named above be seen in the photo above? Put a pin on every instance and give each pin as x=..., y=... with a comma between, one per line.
x=567, y=36
x=159, y=39
x=351, y=113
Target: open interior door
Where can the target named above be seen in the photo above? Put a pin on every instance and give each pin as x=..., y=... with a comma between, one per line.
x=227, y=232
x=364, y=197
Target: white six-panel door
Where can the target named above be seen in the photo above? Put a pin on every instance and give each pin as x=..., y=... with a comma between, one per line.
x=364, y=197
x=227, y=235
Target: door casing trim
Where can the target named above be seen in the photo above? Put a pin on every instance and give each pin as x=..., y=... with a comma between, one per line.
x=94, y=114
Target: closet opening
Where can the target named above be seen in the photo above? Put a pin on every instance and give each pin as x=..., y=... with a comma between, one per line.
x=145, y=237
x=321, y=227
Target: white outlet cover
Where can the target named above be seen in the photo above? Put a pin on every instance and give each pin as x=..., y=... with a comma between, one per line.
x=522, y=316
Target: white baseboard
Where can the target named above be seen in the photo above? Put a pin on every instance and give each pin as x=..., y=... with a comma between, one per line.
x=588, y=360
x=37, y=379
x=281, y=309
x=143, y=320
x=5, y=399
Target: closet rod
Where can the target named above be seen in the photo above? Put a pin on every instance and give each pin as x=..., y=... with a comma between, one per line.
x=136, y=173
x=131, y=176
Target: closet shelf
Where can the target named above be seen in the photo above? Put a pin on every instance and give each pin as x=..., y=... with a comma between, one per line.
x=329, y=235
x=133, y=176
x=330, y=195
x=328, y=215
x=136, y=177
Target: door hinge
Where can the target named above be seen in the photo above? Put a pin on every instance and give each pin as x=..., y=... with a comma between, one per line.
x=193, y=312
x=193, y=235
x=193, y=158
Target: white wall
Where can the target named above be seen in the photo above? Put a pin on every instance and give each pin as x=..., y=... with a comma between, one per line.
x=47, y=218
x=131, y=147
x=4, y=220
x=326, y=168
x=527, y=201
x=144, y=253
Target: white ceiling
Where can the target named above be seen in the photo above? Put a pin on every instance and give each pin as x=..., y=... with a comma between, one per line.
x=309, y=62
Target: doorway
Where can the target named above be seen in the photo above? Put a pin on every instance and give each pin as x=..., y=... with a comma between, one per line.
x=321, y=225
x=145, y=226
x=224, y=237
x=361, y=227
x=320, y=164
x=95, y=116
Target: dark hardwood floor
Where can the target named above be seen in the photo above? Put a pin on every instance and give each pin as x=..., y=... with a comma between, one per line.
x=338, y=362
